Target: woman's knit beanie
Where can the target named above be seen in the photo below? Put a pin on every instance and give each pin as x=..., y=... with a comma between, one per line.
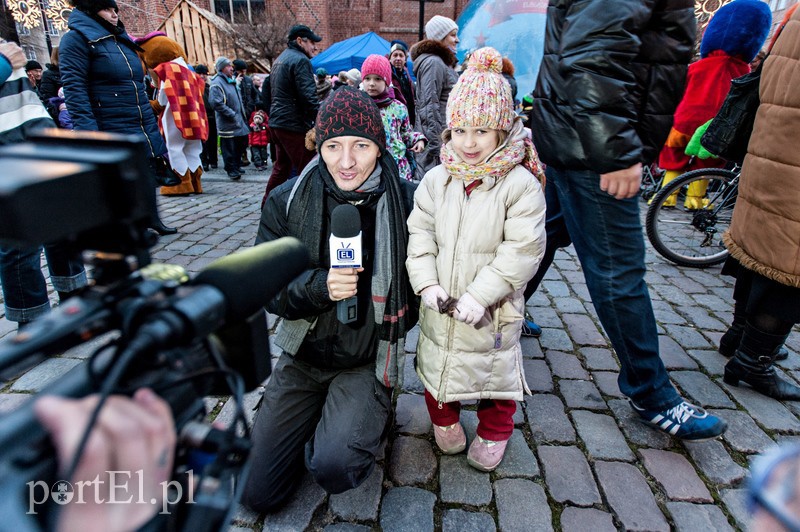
x=439, y=27
x=482, y=96
x=350, y=112
x=379, y=66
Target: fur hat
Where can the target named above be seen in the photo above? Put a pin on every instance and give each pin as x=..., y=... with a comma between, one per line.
x=350, y=112
x=439, y=27
x=158, y=48
x=93, y=6
x=221, y=63
x=379, y=66
x=482, y=96
x=738, y=29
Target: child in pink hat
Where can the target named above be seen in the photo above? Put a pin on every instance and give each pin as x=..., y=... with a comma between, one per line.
x=376, y=75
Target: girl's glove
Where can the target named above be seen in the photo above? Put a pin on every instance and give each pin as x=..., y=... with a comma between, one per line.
x=468, y=310
x=433, y=297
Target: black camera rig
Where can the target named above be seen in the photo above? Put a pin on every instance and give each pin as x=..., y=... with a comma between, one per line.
x=185, y=339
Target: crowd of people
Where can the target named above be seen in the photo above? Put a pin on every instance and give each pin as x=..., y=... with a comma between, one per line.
x=461, y=209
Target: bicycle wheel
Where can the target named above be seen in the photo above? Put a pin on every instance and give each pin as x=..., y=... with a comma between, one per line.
x=693, y=236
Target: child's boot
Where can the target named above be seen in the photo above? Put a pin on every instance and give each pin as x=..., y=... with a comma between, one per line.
x=486, y=455
x=696, y=195
x=450, y=439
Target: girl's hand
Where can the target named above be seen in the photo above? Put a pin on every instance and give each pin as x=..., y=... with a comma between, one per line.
x=433, y=297
x=468, y=310
x=418, y=147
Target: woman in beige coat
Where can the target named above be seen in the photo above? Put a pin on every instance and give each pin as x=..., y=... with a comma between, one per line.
x=476, y=234
x=764, y=236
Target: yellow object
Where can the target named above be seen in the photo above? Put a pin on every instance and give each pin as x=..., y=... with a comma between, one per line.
x=669, y=175
x=695, y=195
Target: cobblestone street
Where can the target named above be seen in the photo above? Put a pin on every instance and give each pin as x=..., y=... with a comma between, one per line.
x=578, y=459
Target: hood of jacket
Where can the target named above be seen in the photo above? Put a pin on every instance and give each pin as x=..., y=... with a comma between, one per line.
x=429, y=46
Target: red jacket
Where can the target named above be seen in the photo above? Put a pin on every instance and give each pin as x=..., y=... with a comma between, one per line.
x=707, y=85
x=259, y=135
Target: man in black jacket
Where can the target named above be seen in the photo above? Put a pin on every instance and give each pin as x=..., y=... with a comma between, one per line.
x=608, y=85
x=328, y=402
x=293, y=104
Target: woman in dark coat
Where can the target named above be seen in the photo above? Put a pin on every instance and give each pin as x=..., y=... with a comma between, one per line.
x=103, y=76
x=103, y=79
x=50, y=83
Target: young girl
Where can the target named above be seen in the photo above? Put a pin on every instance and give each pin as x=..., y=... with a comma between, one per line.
x=259, y=140
x=476, y=238
x=400, y=137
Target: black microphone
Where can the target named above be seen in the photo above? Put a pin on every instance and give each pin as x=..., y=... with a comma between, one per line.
x=249, y=279
x=345, y=245
x=228, y=291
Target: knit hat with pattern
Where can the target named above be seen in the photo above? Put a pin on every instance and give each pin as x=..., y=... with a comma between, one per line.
x=379, y=66
x=350, y=112
x=482, y=96
x=439, y=27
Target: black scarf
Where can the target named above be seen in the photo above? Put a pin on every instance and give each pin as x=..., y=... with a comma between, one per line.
x=396, y=308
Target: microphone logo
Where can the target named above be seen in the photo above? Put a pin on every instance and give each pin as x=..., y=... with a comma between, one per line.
x=345, y=253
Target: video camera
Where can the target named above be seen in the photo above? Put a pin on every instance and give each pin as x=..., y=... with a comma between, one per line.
x=185, y=339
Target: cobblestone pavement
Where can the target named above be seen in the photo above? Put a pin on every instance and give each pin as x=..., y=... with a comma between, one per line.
x=578, y=459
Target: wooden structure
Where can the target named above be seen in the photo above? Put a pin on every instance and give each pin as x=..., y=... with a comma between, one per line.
x=202, y=34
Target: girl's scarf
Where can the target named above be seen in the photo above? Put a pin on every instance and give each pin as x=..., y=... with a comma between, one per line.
x=385, y=98
x=518, y=149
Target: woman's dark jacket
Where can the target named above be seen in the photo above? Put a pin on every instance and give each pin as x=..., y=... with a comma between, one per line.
x=104, y=82
x=403, y=84
x=612, y=75
x=50, y=83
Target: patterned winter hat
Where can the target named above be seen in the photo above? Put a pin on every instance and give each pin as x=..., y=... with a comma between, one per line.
x=350, y=112
x=482, y=96
x=377, y=65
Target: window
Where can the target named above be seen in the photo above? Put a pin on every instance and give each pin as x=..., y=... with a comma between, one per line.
x=22, y=31
x=223, y=8
x=51, y=28
x=30, y=52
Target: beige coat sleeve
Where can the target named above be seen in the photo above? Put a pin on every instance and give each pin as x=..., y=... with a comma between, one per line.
x=519, y=255
x=422, y=246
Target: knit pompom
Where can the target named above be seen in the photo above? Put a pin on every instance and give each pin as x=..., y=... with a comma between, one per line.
x=486, y=60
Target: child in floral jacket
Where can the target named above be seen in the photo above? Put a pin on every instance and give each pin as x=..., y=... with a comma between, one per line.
x=376, y=73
